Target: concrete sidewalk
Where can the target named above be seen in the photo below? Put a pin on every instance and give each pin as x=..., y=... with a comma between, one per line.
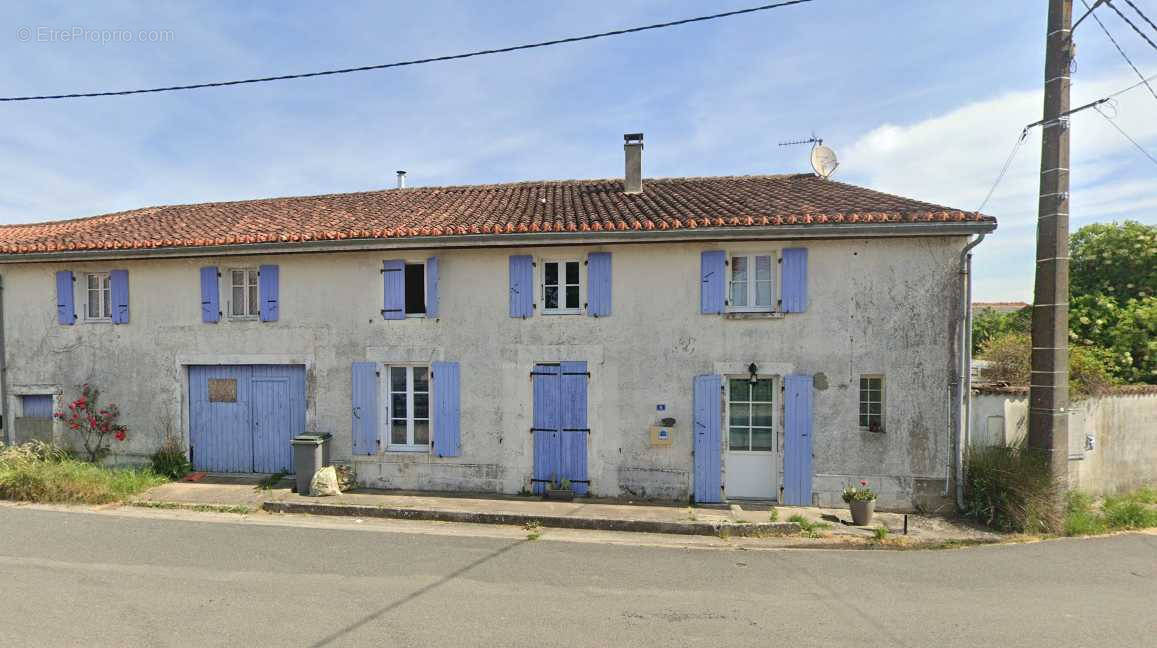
x=745, y=520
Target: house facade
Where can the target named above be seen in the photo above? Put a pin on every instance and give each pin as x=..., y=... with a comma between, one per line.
x=768, y=337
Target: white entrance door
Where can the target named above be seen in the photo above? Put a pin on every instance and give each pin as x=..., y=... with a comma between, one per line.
x=750, y=460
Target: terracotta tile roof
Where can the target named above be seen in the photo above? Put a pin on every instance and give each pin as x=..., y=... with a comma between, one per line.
x=1003, y=307
x=547, y=206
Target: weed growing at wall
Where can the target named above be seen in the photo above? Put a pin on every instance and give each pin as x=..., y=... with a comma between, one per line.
x=1011, y=489
x=40, y=472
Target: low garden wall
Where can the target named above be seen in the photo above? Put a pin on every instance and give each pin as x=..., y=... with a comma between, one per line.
x=1112, y=438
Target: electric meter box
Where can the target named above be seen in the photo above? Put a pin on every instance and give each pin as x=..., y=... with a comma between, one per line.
x=662, y=436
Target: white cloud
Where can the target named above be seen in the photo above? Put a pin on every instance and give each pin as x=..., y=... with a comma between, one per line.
x=954, y=158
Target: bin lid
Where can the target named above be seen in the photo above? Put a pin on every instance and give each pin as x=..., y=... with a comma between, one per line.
x=308, y=439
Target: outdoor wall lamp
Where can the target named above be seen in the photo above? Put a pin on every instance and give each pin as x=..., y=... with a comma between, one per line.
x=752, y=369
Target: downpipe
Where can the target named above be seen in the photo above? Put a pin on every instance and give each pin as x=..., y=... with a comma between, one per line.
x=964, y=379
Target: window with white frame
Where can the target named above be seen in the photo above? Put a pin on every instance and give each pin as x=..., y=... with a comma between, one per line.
x=752, y=283
x=408, y=407
x=750, y=415
x=872, y=403
x=244, y=303
x=99, y=306
x=561, y=287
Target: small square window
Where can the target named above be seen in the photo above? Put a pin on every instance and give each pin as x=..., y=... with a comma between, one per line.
x=871, y=410
x=36, y=406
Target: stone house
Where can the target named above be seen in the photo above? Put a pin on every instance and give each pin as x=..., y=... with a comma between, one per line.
x=768, y=337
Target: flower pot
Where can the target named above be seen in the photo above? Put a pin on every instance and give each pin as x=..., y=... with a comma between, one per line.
x=565, y=494
x=862, y=511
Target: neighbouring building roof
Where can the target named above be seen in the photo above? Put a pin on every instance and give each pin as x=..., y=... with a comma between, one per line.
x=1000, y=307
x=547, y=206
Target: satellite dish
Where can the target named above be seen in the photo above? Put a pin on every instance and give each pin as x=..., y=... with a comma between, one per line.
x=824, y=161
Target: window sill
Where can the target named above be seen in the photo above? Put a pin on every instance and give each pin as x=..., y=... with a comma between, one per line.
x=752, y=315
x=406, y=448
x=243, y=318
x=97, y=320
x=576, y=311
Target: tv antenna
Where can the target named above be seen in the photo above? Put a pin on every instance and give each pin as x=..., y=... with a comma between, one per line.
x=823, y=159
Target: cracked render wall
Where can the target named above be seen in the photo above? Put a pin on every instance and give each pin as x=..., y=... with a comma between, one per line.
x=876, y=306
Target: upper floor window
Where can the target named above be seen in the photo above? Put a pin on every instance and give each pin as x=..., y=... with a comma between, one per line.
x=561, y=287
x=243, y=290
x=99, y=294
x=415, y=289
x=872, y=403
x=751, y=283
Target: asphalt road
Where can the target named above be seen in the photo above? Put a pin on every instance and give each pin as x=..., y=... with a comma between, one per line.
x=84, y=579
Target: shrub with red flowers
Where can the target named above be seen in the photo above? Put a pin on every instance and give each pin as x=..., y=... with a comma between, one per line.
x=95, y=425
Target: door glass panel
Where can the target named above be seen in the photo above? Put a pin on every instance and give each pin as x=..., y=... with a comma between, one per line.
x=740, y=414
x=738, y=439
x=762, y=390
x=421, y=406
x=761, y=415
x=761, y=439
x=740, y=390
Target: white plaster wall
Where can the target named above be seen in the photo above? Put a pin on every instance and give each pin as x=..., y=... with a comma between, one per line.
x=875, y=306
x=1123, y=428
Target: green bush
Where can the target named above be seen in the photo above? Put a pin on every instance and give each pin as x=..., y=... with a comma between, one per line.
x=1011, y=489
x=1009, y=357
x=37, y=472
x=1080, y=518
x=170, y=460
x=1125, y=512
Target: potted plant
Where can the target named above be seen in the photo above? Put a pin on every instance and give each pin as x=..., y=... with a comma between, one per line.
x=862, y=500
x=560, y=490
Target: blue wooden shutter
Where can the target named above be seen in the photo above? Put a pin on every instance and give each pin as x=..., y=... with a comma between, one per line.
x=394, y=289
x=267, y=285
x=599, y=284
x=119, y=294
x=707, y=438
x=794, y=290
x=547, y=419
x=797, y=446
x=65, y=307
x=447, y=435
x=432, y=287
x=573, y=440
x=365, y=408
x=36, y=406
x=521, y=286
x=210, y=295
x=713, y=280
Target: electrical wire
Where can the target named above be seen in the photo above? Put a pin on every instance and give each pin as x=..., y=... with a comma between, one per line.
x=1126, y=135
x=1130, y=23
x=1122, y=91
x=1143, y=16
x=1087, y=14
x=1004, y=169
x=436, y=59
x=1121, y=51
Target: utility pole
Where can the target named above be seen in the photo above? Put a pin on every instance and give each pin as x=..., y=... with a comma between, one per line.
x=1048, y=416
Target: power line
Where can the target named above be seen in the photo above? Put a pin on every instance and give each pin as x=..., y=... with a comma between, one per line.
x=1144, y=81
x=1004, y=169
x=1143, y=16
x=1119, y=50
x=436, y=59
x=1126, y=136
x=1130, y=23
x=1087, y=14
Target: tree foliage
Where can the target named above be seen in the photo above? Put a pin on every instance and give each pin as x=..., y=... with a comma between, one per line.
x=1112, y=307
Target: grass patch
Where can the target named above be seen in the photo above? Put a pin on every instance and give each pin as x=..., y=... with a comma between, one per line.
x=809, y=529
x=1127, y=512
x=37, y=472
x=880, y=533
x=239, y=509
x=533, y=530
x=270, y=482
x=773, y=514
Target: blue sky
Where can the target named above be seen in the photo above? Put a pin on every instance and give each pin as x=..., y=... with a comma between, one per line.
x=917, y=98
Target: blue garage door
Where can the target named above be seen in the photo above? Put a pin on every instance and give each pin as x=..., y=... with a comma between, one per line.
x=242, y=417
